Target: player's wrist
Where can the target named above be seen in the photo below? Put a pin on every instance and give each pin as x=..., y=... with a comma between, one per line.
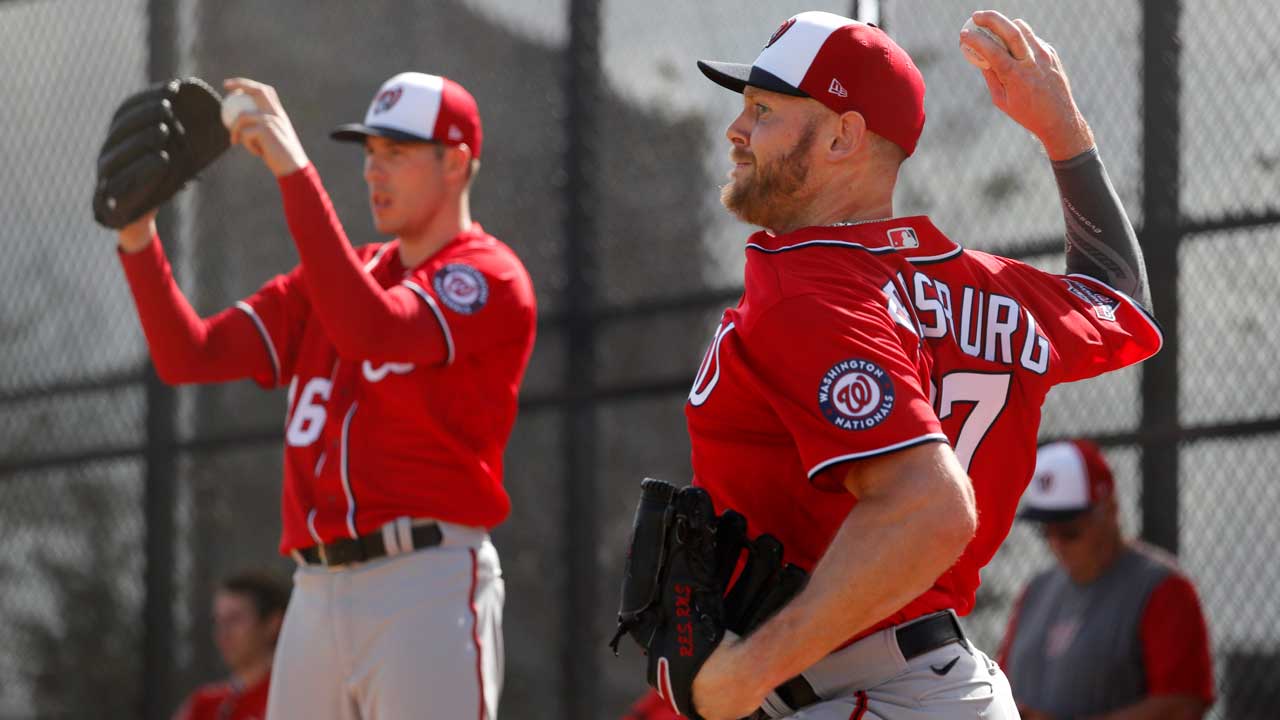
x=290, y=162
x=1068, y=141
x=137, y=236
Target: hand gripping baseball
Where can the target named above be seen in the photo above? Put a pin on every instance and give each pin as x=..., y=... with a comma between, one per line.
x=1027, y=81
x=266, y=133
x=159, y=139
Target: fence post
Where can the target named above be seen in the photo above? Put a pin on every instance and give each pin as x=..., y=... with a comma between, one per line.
x=1161, y=236
x=161, y=463
x=582, y=610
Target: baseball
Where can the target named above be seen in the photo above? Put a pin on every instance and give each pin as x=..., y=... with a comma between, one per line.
x=234, y=104
x=973, y=57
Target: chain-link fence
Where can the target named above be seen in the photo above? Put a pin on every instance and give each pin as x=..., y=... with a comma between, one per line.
x=122, y=502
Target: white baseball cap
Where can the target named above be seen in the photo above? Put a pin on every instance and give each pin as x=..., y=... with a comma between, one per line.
x=1070, y=478
x=842, y=63
x=414, y=106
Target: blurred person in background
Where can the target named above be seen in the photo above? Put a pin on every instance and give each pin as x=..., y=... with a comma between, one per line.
x=248, y=609
x=1114, y=630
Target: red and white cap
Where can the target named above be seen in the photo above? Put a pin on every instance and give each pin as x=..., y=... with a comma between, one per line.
x=414, y=106
x=843, y=64
x=1070, y=478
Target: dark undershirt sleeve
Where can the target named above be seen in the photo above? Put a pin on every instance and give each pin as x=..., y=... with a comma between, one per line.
x=1100, y=240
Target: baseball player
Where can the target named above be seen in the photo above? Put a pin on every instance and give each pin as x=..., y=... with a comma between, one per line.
x=863, y=343
x=403, y=360
x=1114, y=629
x=248, y=610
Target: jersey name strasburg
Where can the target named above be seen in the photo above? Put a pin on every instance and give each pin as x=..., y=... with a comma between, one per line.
x=865, y=339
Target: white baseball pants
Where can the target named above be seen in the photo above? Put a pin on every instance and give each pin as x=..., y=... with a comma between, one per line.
x=415, y=635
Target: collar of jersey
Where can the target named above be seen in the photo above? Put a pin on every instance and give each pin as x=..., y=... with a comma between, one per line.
x=385, y=256
x=876, y=236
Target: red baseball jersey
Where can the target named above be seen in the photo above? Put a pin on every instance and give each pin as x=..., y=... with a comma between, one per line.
x=402, y=381
x=821, y=364
x=1001, y=333
x=226, y=701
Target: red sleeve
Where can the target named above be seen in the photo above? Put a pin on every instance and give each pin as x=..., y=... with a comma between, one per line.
x=482, y=301
x=844, y=377
x=1002, y=655
x=1175, y=642
x=184, y=347
x=279, y=312
x=360, y=318
x=1092, y=327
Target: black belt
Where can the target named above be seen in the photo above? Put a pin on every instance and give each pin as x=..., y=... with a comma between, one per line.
x=914, y=640
x=367, y=547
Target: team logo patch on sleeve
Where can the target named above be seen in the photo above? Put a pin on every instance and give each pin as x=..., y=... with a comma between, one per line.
x=462, y=288
x=1104, y=306
x=855, y=394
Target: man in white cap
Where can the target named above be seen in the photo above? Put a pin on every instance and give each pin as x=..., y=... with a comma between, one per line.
x=1114, y=630
x=403, y=361
x=863, y=345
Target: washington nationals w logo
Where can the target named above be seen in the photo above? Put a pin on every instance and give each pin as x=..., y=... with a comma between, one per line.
x=709, y=371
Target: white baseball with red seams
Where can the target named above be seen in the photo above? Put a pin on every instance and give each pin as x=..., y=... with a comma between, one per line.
x=973, y=57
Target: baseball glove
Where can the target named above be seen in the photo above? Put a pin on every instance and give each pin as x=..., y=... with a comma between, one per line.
x=677, y=598
x=159, y=139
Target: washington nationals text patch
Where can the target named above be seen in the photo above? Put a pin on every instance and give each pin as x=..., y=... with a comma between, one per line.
x=461, y=287
x=855, y=394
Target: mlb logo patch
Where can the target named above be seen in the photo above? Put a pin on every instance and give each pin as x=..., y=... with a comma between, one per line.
x=903, y=238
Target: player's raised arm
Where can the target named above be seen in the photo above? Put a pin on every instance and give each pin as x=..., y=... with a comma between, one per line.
x=186, y=348
x=157, y=140
x=1028, y=82
x=362, y=318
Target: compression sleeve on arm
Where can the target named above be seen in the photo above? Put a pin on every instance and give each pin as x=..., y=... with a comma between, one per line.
x=361, y=318
x=1100, y=240
x=184, y=347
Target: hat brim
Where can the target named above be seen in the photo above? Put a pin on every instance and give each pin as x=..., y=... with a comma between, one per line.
x=357, y=132
x=737, y=76
x=1050, y=516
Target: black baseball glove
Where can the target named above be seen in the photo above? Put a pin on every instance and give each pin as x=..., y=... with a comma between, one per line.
x=159, y=139
x=677, y=603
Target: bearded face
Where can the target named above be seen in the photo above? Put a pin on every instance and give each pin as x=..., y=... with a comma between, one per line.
x=770, y=196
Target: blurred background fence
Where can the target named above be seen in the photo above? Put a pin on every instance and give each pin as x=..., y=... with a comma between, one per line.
x=122, y=502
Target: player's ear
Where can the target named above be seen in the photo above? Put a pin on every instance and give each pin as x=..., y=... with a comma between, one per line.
x=848, y=134
x=457, y=161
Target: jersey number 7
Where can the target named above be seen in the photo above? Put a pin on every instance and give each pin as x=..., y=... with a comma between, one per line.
x=988, y=392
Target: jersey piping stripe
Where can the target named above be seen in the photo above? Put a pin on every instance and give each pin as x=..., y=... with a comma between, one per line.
x=928, y=259
x=311, y=526
x=1133, y=303
x=431, y=303
x=822, y=243
x=373, y=261
x=247, y=309
x=475, y=631
x=860, y=709
x=346, y=477
x=931, y=437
